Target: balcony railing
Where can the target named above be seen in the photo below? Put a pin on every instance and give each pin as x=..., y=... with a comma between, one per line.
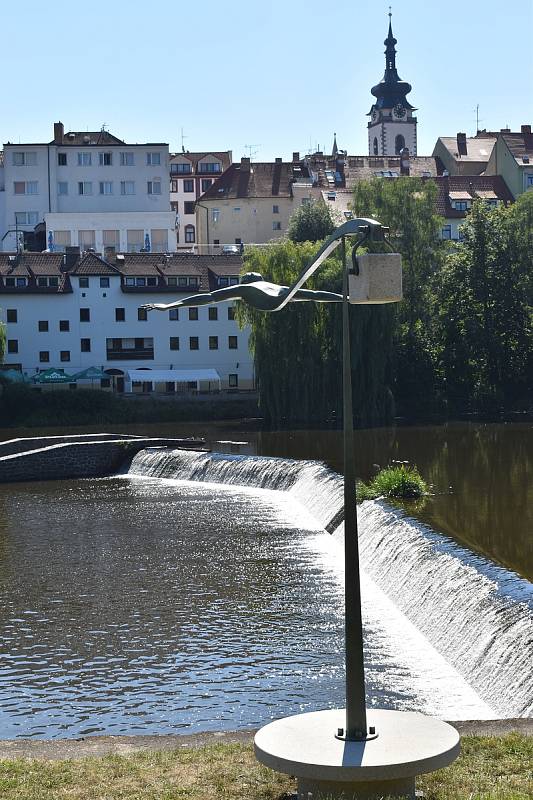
x=146, y=354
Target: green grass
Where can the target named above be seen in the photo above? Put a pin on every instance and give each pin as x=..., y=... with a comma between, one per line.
x=402, y=482
x=489, y=768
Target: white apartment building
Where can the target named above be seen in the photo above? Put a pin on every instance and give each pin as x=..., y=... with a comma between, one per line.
x=88, y=314
x=192, y=174
x=88, y=189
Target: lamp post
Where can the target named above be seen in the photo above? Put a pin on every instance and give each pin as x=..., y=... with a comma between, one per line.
x=335, y=753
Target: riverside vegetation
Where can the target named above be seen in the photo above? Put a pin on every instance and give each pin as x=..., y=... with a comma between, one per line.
x=460, y=342
x=489, y=768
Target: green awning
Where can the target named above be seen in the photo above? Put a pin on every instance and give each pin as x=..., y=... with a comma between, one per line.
x=90, y=374
x=53, y=375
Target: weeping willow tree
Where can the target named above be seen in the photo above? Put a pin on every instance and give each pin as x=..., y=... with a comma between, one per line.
x=298, y=351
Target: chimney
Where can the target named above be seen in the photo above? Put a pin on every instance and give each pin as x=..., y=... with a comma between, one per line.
x=59, y=132
x=404, y=161
x=245, y=163
x=71, y=256
x=279, y=160
x=525, y=129
x=461, y=144
x=295, y=157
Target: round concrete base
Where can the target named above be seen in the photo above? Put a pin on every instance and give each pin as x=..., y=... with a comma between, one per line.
x=408, y=744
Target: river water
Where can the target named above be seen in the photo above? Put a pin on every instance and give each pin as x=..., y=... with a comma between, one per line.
x=152, y=604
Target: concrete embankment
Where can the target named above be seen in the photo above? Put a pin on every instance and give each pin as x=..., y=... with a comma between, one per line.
x=123, y=745
x=94, y=456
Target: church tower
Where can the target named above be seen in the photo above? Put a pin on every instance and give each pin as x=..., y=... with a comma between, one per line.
x=392, y=125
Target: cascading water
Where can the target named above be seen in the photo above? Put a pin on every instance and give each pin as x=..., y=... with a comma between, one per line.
x=477, y=615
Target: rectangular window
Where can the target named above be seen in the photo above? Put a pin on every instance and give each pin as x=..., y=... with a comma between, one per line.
x=85, y=345
x=111, y=239
x=193, y=343
x=461, y=205
x=213, y=342
x=174, y=342
x=233, y=381
x=86, y=239
x=61, y=159
x=85, y=187
x=135, y=240
x=188, y=186
x=32, y=187
x=231, y=312
x=105, y=159
x=193, y=314
x=159, y=240
x=212, y=313
x=236, y=209
x=142, y=315
x=174, y=314
x=188, y=207
x=154, y=187
x=120, y=315
x=181, y=169
x=127, y=187
x=62, y=187
x=104, y=283
x=12, y=346
x=153, y=159
x=126, y=159
x=44, y=356
x=276, y=226
x=64, y=325
x=275, y=209
x=61, y=240
x=25, y=159
x=83, y=282
x=174, y=187
x=232, y=342
x=12, y=315
x=64, y=355
x=106, y=187
x=85, y=315
x=190, y=234
x=19, y=187
x=206, y=183
x=84, y=159
x=446, y=232
x=209, y=166
x=42, y=325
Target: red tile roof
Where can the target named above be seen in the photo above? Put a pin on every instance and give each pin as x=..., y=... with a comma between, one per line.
x=257, y=180
x=475, y=186
x=93, y=264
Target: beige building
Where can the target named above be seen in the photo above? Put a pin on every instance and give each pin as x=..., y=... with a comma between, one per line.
x=512, y=158
x=251, y=203
x=462, y=154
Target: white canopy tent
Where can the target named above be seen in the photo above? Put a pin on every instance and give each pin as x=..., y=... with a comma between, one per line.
x=172, y=376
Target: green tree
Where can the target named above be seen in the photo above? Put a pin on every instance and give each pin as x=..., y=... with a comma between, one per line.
x=310, y=223
x=483, y=312
x=407, y=207
x=298, y=350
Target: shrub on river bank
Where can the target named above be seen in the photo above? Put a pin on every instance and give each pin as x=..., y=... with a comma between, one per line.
x=402, y=482
x=21, y=405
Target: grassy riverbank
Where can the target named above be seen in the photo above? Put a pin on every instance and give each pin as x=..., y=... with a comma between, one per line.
x=489, y=768
x=20, y=405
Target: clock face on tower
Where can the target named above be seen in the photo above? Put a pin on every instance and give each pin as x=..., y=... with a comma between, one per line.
x=399, y=111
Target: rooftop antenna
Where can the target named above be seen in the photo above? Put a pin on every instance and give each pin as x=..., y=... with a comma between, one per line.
x=478, y=120
x=251, y=152
x=183, y=137
x=104, y=127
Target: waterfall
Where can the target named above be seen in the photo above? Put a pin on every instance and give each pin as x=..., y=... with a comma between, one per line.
x=478, y=615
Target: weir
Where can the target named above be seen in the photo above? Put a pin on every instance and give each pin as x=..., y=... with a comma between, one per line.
x=478, y=615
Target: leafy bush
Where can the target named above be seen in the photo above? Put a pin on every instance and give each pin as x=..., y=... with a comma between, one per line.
x=400, y=482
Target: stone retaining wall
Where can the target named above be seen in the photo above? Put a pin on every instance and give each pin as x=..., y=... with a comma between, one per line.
x=12, y=446
x=87, y=459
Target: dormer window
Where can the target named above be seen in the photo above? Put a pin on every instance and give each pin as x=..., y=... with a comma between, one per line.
x=181, y=169
x=17, y=283
x=51, y=281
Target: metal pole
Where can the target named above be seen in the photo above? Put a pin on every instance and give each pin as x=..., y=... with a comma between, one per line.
x=356, y=725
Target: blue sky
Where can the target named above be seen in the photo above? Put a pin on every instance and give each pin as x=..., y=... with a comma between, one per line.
x=280, y=76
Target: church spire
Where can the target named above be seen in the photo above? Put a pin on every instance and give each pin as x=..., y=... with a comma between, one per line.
x=391, y=90
x=335, y=149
